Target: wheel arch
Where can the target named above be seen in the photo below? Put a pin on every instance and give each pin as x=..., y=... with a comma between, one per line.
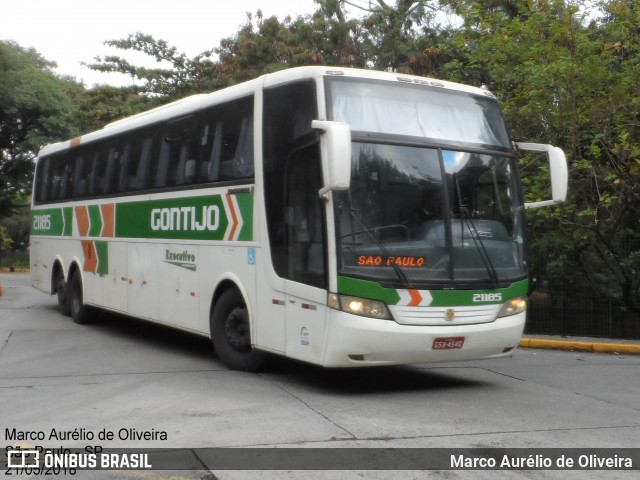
x=59, y=266
x=73, y=268
x=227, y=282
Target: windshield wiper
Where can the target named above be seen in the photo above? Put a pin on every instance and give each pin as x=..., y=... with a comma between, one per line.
x=475, y=236
x=396, y=268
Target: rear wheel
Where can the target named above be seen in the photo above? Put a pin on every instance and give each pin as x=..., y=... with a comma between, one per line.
x=231, y=333
x=61, y=293
x=79, y=311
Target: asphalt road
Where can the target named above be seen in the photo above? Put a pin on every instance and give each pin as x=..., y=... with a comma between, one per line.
x=122, y=375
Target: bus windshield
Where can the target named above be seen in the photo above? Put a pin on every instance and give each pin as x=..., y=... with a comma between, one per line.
x=412, y=110
x=418, y=216
x=434, y=198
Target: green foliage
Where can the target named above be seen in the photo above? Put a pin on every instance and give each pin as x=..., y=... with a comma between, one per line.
x=175, y=77
x=567, y=73
x=104, y=104
x=5, y=241
x=14, y=237
x=399, y=38
x=36, y=107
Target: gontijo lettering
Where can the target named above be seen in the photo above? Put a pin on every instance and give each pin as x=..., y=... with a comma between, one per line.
x=186, y=218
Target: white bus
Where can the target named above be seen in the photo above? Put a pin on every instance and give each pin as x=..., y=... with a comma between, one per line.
x=336, y=216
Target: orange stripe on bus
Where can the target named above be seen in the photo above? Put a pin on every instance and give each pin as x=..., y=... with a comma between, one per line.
x=416, y=298
x=82, y=217
x=234, y=217
x=75, y=142
x=108, y=219
x=90, y=256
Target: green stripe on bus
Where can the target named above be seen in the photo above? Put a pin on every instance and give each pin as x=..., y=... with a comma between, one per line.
x=102, y=252
x=52, y=222
x=468, y=298
x=67, y=214
x=439, y=298
x=245, y=203
x=212, y=217
x=95, y=218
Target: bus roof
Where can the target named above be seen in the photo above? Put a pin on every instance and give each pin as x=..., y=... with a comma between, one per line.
x=194, y=103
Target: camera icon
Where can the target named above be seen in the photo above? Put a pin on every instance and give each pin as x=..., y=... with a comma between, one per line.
x=23, y=458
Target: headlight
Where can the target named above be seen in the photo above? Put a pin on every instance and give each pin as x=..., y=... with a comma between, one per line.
x=359, y=306
x=513, y=306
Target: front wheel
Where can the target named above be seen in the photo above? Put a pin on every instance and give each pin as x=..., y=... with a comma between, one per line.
x=79, y=311
x=231, y=334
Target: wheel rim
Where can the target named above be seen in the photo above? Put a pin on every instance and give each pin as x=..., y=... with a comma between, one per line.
x=236, y=329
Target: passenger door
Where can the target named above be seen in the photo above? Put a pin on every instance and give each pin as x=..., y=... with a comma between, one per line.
x=305, y=250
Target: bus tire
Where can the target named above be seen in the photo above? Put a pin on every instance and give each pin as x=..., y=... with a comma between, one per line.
x=79, y=311
x=61, y=294
x=231, y=335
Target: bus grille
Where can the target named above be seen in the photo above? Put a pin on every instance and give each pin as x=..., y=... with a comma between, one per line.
x=444, y=315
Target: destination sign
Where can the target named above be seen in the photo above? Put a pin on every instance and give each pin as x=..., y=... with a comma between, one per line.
x=408, y=261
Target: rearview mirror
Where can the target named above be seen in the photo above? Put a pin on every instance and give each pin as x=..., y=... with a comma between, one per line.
x=335, y=145
x=558, y=172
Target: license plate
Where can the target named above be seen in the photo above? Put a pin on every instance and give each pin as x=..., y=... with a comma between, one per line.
x=448, y=343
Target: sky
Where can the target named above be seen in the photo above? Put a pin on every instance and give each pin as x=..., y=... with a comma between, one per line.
x=70, y=32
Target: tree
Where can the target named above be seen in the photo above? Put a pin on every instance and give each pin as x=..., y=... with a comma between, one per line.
x=180, y=76
x=104, y=104
x=567, y=72
x=401, y=37
x=262, y=45
x=36, y=107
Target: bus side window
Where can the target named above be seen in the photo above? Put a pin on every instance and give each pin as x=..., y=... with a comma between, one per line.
x=211, y=165
x=138, y=163
x=236, y=160
x=175, y=157
x=172, y=165
x=182, y=176
x=93, y=172
x=99, y=171
x=123, y=177
x=67, y=180
x=42, y=174
x=243, y=158
x=109, y=182
x=144, y=167
x=175, y=152
x=227, y=142
x=55, y=178
x=163, y=165
x=80, y=176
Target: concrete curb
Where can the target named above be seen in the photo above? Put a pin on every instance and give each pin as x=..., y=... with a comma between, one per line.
x=596, y=347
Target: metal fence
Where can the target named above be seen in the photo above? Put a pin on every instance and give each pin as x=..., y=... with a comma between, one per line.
x=581, y=316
